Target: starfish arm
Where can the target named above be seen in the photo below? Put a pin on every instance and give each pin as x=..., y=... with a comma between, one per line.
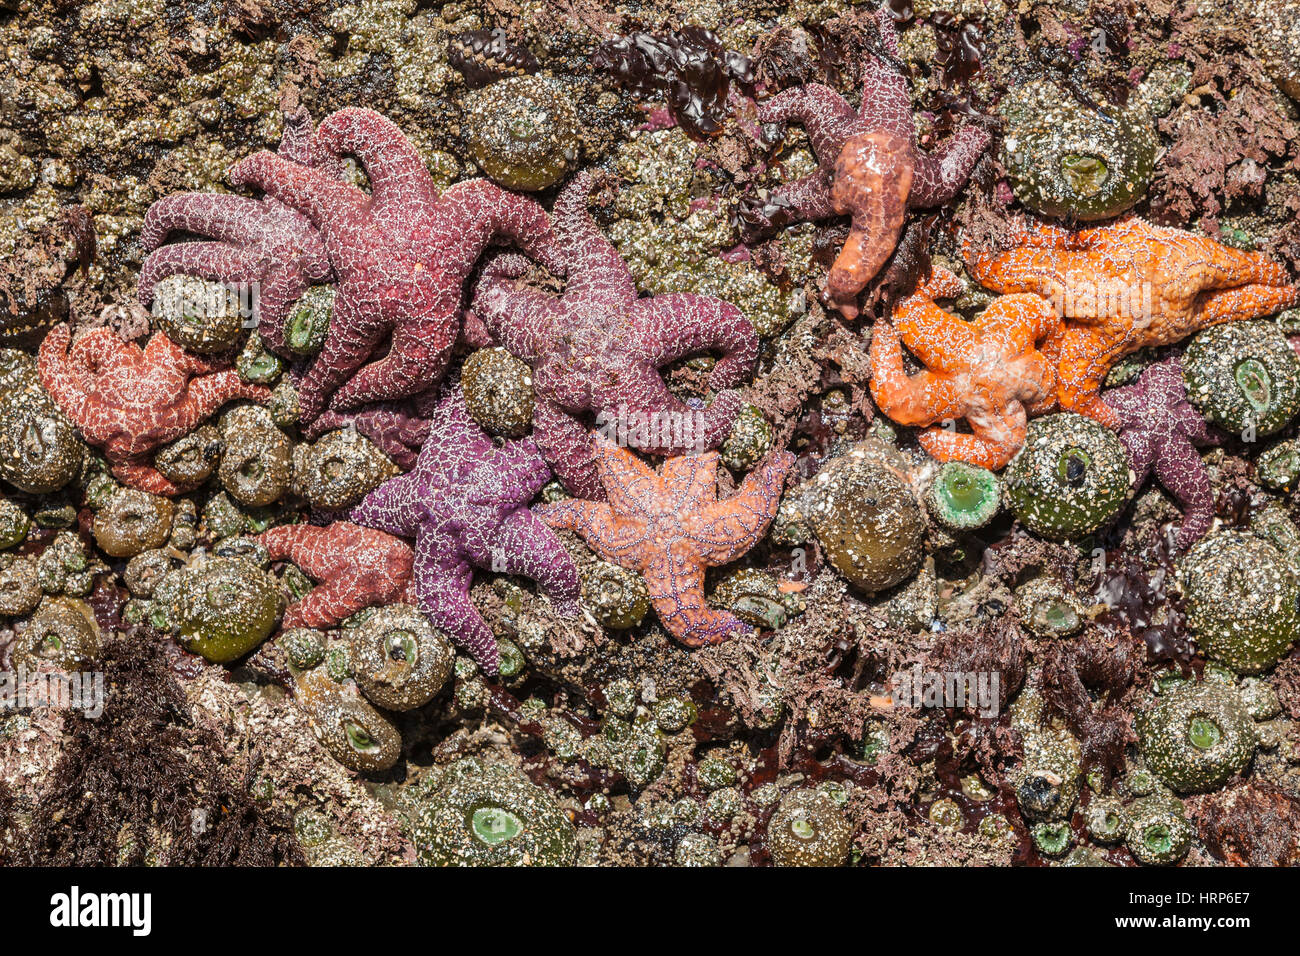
x=283, y=287
x=1143, y=450
x=676, y=587
x=296, y=140
x=940, y=175
x=512, y=476
x=398, y=176
x=209, y=392
x=531, y=548
x=887, y=30
x=689, y=480
x=594, y=267
x=67, y=383
x=396, y=433
x=909, y=400
x=421, y=350
x=391, y=507
x=827, y=117
x=672, y=326
x=213, y=261
x=629, y=482
x=809, y=197
x=512, y=313
x=1244, y=302
x=872, y=179
x=237, y=220
x=358, y=325
x=1085, y=360
x=440, y=584
x=566, y=446
x=312, y=192
x=942, y=341
x=478, y=213
x=725, y=530
x=1180, y=469
x=143, y=476
x=886, y=99
x=612, y=537
x=944, y=445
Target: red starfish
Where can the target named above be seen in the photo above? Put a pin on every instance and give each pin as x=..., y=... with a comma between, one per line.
x=128, y=401
x=868, y=166
x=987, y=371
x=1125, y=286
x=357, y=567
x=401, y=253
x=671, y=526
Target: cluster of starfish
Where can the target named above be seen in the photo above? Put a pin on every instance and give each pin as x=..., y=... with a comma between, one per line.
x=1073, y=304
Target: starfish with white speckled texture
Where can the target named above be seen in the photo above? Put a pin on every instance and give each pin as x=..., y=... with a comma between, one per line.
x=599, y=347
x=869, y=166
x=671, y=526
x=466, y=506
x=401, y=253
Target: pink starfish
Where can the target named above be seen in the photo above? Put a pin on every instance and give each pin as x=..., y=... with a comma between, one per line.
x=599, y=347
x=401, y=254
x=253, y=241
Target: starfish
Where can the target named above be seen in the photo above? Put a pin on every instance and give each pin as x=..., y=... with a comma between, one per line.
x=259, y=242
x=599, y=347
x=401, y=254
x=1162, y=431
x=987, y=371
x=398, y=429
x=128, y=401
x=466, y=506
x=868, y=165
x=357, y=567
x=1126, y=286
x=671, y=526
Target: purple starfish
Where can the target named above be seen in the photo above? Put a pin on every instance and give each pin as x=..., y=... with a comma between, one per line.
x=260, y=241
x=398, y=429
x=1161, y=430
x=466, y=505
x=599, y=348
x=868, y=167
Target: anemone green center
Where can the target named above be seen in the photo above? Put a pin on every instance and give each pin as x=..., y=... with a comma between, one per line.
x=495, y=825
x=802, y=829
x=1084, y=174
x=359, y=738
x=1059, y=616
x=51, y=644
x=1203, y=733
x=1157, y=838
x=1255, y=383
x=964, y=491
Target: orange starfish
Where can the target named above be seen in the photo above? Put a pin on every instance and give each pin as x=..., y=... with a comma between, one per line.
x=987, y=371
x=128, y=400
x=357, y=568
x=671, y=526
x=1125, y=286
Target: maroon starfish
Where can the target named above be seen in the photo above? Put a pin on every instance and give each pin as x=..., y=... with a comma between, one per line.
x=401, y=253
x=258, y=242
x=1161, y=430
x=868, y=167
x=599, y=348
